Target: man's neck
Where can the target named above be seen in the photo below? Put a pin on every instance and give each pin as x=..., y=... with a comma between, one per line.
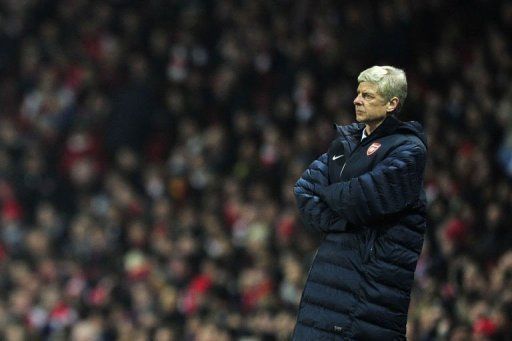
x=371, y=126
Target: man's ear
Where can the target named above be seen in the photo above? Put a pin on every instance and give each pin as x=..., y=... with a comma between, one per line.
x=392, y=104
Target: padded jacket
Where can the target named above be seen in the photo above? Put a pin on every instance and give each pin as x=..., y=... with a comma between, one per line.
x=367, y=200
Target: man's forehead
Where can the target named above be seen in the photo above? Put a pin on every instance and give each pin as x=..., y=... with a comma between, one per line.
x=367, y=86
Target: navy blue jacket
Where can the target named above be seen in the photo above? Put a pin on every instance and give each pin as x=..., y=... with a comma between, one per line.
x=367, y=200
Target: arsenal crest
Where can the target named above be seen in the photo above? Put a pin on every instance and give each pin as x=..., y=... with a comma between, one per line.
x=373, y=148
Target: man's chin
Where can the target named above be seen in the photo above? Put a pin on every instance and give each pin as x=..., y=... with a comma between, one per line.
x=360, y=118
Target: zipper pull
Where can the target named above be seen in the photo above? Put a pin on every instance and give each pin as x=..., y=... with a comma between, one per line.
x=342, y=168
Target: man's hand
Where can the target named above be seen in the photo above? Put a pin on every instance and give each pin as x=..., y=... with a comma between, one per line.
x=316, y=189
x=314, y=212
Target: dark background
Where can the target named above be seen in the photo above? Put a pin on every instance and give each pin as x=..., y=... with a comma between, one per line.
x=148, y=151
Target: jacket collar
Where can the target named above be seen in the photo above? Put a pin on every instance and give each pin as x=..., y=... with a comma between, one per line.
x=355, y=130
x=388, y=126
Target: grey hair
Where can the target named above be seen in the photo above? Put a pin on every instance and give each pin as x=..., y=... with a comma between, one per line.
x=391, y=82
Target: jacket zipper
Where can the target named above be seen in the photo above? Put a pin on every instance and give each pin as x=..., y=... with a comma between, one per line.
x=342, y=168
x=350, y=153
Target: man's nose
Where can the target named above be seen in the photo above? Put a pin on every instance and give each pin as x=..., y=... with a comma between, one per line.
x=357, y=100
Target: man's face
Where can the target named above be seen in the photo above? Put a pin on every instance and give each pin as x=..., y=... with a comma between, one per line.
x=370, y=106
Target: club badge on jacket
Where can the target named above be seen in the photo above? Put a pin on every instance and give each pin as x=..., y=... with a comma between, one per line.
x=373, y=148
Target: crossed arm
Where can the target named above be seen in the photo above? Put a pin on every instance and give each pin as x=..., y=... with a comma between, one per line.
x=391, y=187
x=315, y=213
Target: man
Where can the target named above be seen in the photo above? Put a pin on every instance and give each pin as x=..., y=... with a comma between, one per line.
x=365, y=195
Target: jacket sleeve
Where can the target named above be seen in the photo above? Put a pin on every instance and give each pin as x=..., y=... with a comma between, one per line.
x=391, y=187
x=315, y=213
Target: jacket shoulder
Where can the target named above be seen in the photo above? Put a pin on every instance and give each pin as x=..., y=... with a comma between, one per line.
x=411, y=141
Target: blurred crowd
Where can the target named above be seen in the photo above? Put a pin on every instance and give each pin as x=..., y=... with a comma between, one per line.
x=148, y=151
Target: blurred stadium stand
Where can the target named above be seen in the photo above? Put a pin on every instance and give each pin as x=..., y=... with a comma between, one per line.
x=148, y=151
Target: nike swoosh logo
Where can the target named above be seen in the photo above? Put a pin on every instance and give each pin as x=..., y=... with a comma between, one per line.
x=337, y=157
